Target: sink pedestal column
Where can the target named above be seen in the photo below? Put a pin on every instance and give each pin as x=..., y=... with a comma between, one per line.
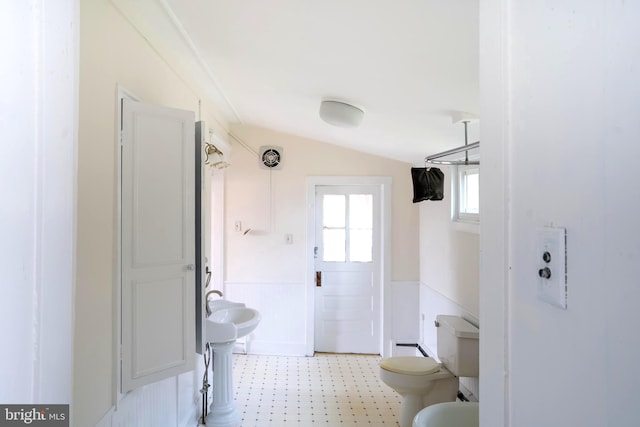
x=223, y=412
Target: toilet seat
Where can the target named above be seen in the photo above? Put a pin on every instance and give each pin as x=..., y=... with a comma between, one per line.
x=410, y=365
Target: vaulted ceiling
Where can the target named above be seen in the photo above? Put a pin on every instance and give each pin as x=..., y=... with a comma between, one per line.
x=410, y=64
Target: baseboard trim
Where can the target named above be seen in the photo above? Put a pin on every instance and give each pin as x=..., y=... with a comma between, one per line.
x=273, y=348
x=418, y=346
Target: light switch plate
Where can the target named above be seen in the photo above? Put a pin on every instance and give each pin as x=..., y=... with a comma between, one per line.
x=551, y=266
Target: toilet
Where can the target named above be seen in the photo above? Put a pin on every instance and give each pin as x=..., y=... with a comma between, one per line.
x=421, y=381
x=449, y=414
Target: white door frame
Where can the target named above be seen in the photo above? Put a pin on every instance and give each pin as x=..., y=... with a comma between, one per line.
x=122, y=93
x=385, y=263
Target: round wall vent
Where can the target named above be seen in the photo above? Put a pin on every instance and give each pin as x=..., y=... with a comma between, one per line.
x=271, y=157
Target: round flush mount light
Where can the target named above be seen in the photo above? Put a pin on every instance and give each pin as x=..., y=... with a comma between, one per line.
x=340, y=113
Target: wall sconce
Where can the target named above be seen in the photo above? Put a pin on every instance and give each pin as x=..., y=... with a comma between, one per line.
x=214, y=157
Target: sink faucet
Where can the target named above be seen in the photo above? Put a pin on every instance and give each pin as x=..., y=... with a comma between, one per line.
x=206, y=299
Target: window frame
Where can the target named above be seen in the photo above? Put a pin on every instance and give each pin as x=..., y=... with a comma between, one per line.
x=463, y=221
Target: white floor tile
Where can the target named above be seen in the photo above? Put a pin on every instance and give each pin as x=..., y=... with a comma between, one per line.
x=324, y=390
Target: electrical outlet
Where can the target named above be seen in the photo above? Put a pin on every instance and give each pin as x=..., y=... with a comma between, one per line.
x=552, y=266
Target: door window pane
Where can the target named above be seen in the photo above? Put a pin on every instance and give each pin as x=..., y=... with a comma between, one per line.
x=334, y=228
x=333, y=245
x=333, y=207
x=360, y=227
x=360, y=248
x=360, y=211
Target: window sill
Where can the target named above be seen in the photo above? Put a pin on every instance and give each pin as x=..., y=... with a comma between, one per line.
x=466, y=226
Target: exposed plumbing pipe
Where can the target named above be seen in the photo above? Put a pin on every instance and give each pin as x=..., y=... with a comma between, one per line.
x=207, y=356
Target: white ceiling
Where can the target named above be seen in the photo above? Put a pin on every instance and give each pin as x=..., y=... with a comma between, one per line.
x=409, y=63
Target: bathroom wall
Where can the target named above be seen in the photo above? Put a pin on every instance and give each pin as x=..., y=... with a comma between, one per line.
x=449, y=270
x=448, y=256
x=113, y=53
x=560, y=107
x=261, y=270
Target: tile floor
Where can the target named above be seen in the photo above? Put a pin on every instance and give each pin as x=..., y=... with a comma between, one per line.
x=324, y=390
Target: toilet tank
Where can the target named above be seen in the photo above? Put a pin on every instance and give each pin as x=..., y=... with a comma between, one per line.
x=458, y=347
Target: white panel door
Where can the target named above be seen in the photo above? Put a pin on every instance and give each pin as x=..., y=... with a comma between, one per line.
x=347, y=257
x=158, y=243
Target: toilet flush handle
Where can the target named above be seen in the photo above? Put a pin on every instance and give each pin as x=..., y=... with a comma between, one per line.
x=436, y=323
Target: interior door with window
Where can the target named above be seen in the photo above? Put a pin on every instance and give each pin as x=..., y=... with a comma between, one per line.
x=347, y=257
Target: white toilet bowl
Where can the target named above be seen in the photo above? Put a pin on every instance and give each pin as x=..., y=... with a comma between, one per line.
x=420, y=381
x=449, y=414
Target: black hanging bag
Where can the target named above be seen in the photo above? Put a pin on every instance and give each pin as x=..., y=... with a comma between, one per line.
x=428, y=184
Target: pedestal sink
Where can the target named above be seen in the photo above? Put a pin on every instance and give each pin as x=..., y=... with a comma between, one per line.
x=228, y=322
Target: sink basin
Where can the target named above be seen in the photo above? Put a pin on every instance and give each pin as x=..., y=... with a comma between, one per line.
x=231, y=322
x=215, y=305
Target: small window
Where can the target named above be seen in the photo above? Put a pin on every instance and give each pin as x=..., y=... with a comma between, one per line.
x=466, y=192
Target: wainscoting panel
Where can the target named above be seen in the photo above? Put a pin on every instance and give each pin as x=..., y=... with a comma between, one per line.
x=405, y=327
x=174, y=401
x=282, y=330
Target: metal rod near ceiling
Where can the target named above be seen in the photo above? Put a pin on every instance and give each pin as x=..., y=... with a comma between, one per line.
x=432, y=159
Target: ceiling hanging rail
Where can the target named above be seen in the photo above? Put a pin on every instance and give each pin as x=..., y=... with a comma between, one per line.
x=433, y=159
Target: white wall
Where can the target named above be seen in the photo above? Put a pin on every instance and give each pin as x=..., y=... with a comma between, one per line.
x=448, y=257
x=449, y=270
x=37, y=185
x=112, y=53
x=247, y=193
x=572, y=99
x=261, y=270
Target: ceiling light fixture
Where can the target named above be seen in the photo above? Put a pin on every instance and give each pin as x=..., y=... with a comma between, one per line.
x=340, y=113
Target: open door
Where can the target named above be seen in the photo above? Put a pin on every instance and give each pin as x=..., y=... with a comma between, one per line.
x=157, y=243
